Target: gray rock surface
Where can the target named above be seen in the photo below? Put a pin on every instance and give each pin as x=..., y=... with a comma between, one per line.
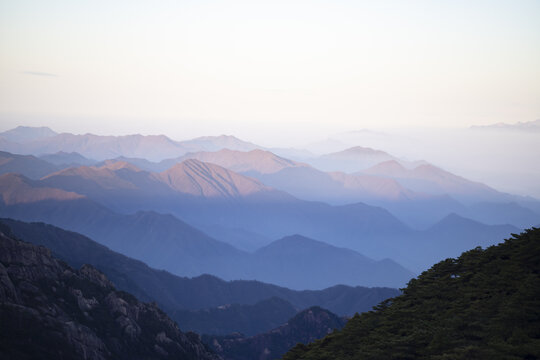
x=51, y=311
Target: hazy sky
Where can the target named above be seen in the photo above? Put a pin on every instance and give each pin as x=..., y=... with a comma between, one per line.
x=259, y=69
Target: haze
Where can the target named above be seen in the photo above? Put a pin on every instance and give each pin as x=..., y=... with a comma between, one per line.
x=246, y=67
x=285, y=73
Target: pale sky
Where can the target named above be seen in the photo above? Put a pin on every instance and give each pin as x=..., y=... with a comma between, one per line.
x=260, y=69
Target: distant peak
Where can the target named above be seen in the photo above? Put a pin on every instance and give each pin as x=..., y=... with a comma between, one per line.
x=389, y=164
x=361, y=149
x=297, y=240
x=28, y=133
x=119, y=164
x=427, y=166
x=41, y=128
x=199, y=178
x=533, y=125
x=219, y=137
x=452, y=219
x=296, y=237
x=14, y=177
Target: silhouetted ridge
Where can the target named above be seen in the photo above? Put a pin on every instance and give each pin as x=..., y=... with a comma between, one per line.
x=190, y=300
x=305, y=327
x=26, y=165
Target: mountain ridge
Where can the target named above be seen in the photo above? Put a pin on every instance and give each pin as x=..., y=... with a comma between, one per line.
x=305, y=327
x=175, y=293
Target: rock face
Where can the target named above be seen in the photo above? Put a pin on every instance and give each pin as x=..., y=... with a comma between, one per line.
x=51, y=311
x=307, y=326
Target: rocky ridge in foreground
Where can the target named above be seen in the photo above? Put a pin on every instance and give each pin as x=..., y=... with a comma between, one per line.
x=50, y=311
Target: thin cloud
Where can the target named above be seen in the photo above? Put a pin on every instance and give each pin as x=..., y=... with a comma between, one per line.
x=37, y=73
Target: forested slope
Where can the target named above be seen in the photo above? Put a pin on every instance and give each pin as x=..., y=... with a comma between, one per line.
x=483, y=305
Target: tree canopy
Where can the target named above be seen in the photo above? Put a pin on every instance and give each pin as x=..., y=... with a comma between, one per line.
x=484, y=304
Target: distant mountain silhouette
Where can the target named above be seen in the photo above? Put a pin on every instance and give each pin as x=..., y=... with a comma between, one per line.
x=162, y=241
x=433, y=180
x=306, y=327
x=369, y=230
x=114, y=179
x=215, y=143
x=27, y=165
x=455, y=234
x=351, y=160
x=302, y=180
x=448, y=193
x=202, y=295
x=38, y=141
x=260, y=161
x=202, y=179
x=237, y=318
x=502, y=213
x=179, y=192
x=285, y=261
x=419, y=194
x=257, y=160
x=18, y=189
x=65, y=159
x=25, y=134
x=528, y=126
x=165, y=242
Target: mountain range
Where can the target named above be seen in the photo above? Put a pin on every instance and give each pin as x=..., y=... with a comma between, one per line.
x=191, y=301
x=351, y=160
x=26, y=165
x=269, y=197
x=306, y=327
x=41, y=141
x=527, y=126
x=206, y=195
x=165, y=242
x=432, y=180
x=424, y=188
x=245, y=244
x=419, y=195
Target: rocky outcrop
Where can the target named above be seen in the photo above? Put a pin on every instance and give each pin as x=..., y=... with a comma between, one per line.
x=51, y=311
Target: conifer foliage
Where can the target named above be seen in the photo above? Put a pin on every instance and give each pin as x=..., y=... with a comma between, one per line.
x=483, y=305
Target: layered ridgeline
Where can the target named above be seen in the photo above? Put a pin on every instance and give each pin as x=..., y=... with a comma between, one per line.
x=417, y=192
x=30, y=140
x=230, y=207
x=483, y=305
x=307, y=326
x=165, y=242
x=48, y=310
x=204, y=304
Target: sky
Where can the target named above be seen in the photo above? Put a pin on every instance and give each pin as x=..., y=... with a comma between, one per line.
x=268, y=71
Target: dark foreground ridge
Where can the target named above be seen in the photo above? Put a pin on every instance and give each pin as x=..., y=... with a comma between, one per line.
x=50, y=311
x=483, y=305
